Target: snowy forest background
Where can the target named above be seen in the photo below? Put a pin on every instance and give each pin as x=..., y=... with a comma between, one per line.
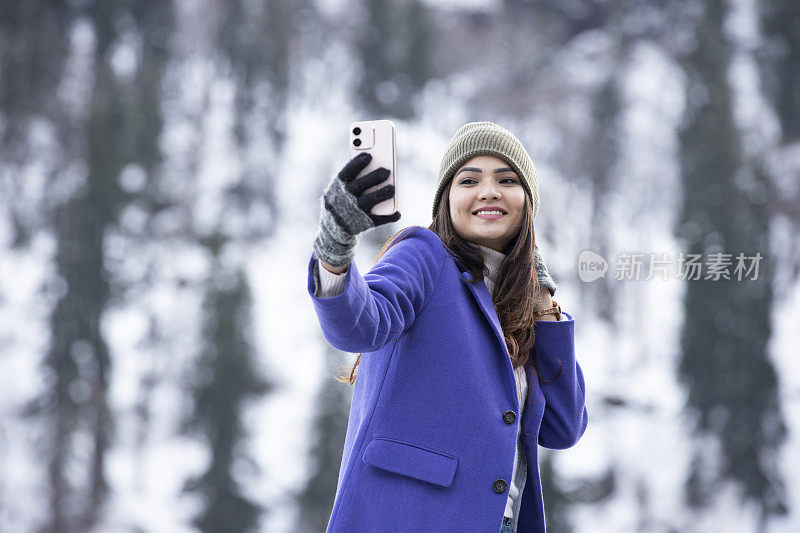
x=161, y=163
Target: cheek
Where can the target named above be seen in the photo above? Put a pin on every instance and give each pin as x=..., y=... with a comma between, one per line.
x=519, y=202
x=457, y=205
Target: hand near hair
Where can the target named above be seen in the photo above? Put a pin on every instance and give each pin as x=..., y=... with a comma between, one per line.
x=542, y=275
x=546, y=289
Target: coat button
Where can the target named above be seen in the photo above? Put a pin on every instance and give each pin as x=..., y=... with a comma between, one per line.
x=509, y=417
x=499, y=486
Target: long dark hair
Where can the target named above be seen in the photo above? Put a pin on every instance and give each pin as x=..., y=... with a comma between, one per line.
x=514, y=291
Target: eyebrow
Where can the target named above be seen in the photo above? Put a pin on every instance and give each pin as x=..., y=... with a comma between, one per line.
x=479, y=171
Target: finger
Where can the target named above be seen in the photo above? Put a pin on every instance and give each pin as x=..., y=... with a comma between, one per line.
x=385, y=219
x=368, y=180
x=368, y=201
x=354, y=166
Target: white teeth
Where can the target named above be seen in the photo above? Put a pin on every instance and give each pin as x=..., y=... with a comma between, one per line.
x=489, y=213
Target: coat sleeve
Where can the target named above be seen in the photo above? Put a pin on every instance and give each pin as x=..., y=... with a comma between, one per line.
x=374, y=309
x=565, y=416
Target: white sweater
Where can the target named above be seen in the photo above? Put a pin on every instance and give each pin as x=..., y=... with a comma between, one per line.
x=329, y=285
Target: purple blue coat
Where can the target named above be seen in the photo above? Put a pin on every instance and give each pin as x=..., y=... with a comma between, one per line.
x=430, y=441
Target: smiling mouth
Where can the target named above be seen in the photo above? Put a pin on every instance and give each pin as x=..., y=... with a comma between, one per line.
x=492, y=209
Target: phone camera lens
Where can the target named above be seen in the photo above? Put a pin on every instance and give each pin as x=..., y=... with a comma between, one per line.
x=356, y=131
x=357, y=142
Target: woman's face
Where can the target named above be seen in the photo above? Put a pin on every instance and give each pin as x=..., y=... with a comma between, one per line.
x=486, y=181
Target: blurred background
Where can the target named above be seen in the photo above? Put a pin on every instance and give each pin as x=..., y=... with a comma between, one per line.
x=161, y=364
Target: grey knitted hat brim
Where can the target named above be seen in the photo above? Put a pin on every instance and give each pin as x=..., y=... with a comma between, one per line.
x=487, y=138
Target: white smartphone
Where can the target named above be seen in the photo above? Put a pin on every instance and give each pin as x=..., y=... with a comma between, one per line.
x=378, y=138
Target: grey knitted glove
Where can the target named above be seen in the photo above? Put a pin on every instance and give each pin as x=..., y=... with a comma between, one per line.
x=542, y=275
x=345, y=213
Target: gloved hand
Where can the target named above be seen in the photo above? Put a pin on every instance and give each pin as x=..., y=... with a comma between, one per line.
x=542, y=275
x=344, y=211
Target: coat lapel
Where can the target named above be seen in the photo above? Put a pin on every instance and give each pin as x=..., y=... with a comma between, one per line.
x=481, y=294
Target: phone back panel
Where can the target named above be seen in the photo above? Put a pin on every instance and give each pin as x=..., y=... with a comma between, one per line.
x=378, y=138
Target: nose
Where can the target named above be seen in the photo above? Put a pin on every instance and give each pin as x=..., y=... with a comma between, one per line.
x=489, y=188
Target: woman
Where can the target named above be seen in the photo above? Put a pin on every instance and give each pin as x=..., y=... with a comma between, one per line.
x=446, y=418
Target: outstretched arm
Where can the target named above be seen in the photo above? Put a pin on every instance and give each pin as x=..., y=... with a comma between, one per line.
x=376, y=308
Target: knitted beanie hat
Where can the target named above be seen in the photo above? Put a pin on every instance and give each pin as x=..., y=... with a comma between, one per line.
x=478, y=138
